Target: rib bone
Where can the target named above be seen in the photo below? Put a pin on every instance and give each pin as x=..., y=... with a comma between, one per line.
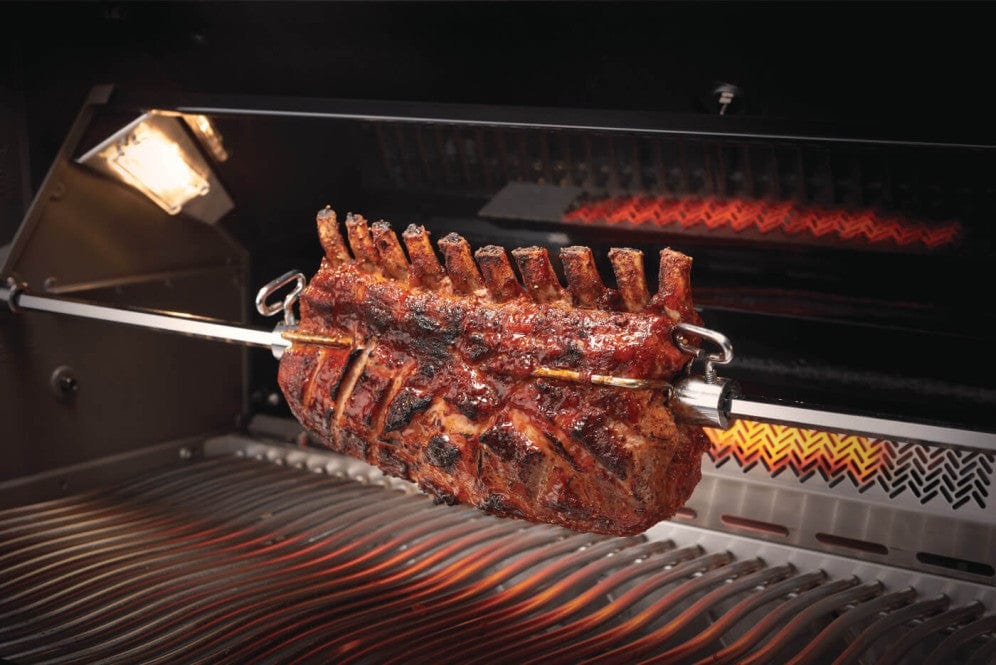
x=330, y=238
x=583, y=279
x=360, y=242
x=630, y=277
x=674, y=293
x=498, y=274
x=537, y=274
x=425, y=266
x=460, y=264
x=392, y=257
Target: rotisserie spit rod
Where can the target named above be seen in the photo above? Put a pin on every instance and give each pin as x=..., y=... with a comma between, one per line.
x=709, y=400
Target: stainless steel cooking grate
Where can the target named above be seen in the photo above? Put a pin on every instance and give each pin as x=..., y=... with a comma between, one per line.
x=252, y=558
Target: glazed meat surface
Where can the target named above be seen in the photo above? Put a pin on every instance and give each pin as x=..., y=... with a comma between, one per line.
x=438, y=385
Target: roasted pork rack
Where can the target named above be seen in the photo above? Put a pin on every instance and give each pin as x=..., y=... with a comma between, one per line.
x=158, y=501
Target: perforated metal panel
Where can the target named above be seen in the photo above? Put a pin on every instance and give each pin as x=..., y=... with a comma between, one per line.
x=929, y=474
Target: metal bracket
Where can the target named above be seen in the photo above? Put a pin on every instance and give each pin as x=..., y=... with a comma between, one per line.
x=13, y=290
x=706, y=400
x=723, y=354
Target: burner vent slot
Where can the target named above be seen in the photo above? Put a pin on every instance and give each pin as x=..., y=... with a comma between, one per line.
x=954, y=563
x=852, y=543
x=755, y=525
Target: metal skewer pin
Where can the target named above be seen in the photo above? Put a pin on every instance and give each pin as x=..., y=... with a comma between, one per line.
x=709, y=400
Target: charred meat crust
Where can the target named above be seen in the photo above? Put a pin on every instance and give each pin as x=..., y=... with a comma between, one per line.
x=403, y=408
x=440, y=452
x=508, y=443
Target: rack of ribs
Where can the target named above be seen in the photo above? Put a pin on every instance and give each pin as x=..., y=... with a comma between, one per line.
x=440, y=387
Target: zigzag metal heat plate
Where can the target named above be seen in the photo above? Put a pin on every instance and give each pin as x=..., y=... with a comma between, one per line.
x=764, y=217
x=956, y=478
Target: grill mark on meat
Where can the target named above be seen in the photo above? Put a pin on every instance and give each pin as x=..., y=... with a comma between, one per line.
x=595, y=435
x=559, y=448
x=380, y=317
x=368, y=393
x=562, y=497
x=509, y=439
x=405, y=405
x=353, y=444
x=351, y=375
x=500, y=505
x=506, y=441
x=392, y=463
x=440, y=452
x=475, y=347
x=473, y=405
x=439, y=494
x=571, y=356
x=434, y=332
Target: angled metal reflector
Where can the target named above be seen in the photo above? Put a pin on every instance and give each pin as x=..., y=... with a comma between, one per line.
x=155, y=155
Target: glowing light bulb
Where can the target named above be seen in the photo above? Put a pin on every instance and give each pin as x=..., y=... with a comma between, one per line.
x=154, y=164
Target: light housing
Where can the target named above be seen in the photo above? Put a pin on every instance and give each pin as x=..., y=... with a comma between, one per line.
x=154, y=155
x=208, y=134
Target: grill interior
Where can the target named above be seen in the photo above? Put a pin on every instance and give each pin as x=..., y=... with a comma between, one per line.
x=264, y=553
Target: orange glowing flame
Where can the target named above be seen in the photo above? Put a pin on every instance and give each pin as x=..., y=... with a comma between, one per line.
x=764, y=217
x=835, y=457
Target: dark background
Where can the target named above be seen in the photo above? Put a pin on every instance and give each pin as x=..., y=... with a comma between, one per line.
x=919, y=66
x=919, y=71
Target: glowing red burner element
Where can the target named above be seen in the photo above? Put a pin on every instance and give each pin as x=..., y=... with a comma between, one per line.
x=835, y=457
x=766, y=217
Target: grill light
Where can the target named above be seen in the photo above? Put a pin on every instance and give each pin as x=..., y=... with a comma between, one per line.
x=205, y=130
x=156, y=155
x=153, y=164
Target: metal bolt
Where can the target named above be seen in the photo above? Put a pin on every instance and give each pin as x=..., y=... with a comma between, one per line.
x=725, y=94
x=64, y=383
